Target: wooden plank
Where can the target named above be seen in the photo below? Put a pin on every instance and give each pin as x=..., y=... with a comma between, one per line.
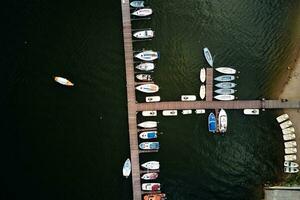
x=209, y=84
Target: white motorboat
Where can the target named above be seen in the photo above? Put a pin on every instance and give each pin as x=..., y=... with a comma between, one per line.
x=290, y=150
x=202, y=75
x=144, y=77
x=222, y=121
x=286, y=124
x=208, y=56
x=148, y=88
x=225, y=78
x=145, y=66
x=291, y=170
x=145, y=34
x=127, y=168
x=153, y=99
x=288, y=130
x=188, y=98
x=225, y=91
x=225, y=85
x=289, y=137
x=149, y=113
x=290, y=164
x=200, y=111
x=290, y=157
x=251, y=111
x=151, y=186
x=149, y=145
x=148, y=124
x=137, y=4
x=226, y=70
x=148, y=135
x=187, y=112
x=202, y=91
x=224, y=97
x=169, y=112
x=290, y=144
x=144, y=12
x=282, y=118
x=152, y=165
x=147, y=55
x=63, y=81
x=150, y=176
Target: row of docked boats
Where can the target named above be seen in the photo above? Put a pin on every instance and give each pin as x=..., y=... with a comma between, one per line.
x=219, y=123
x=225, y=91
x=288, y=133
x=172, y=112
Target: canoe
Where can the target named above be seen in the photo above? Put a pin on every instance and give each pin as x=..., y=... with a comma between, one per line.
x=187, y=112
x=142, y=12
x=149, y=113
x=149, y=145
x=202, y=75
x=148, y=55
x=289, y=137
x=147, y=88
x=157, y=196
x=153, y=99
x=290, y=164
x=286, y=124
x=282, y=118
x=208, y=56
x=288, y=130
x=144, y=77
x=148, y=135
x=200, y=111
x=153, y=165
x=188, y=98
x=225, y=85
x=169, y=112
x=225, y=91
x=290, y=144
x=212, y=124
x=148, y=124
x=145, y=66
x=145, y=34
x=290, y=157
x=222, y=121
x=290, y=150
x=225, y=78
x=251, y=111
x=291, y=170
x=226, y=70
x=151, y=186
x=137, y=4
x=224, y=97
x=63, y=81
x=127, y=168
x=150, y=176
x=202, y=91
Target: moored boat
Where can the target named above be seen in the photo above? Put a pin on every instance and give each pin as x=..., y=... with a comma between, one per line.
x=202, y=91
x=290, y=144
x=202, y=75
x=289, y=137
x=147, y=66
x=222, y=121
x=148, y=124
x=148, y=88
x=212, y=124
x=169, y=112
x=151, y=186
x=147, y=55
x=225, y=91
x=63, y=81
x=148, y=113
x=188, y=98
x=288, y=130
x=148, y=135
x=200, y=111
x=149, y=145
x=290, y=164
x=127, y=168
x=208, y=56
x=290, y=157
x=291, y=170
x=226, y=70
x=290, y=150
x=137, y=4
x=251, y=111
x=225, y=85
x=187, y=112
x=282, y=118
x=145, y=34
x=225, y=78
x=150, y=176
x=144, y=77
x=152, y=165
x=286, y=124
x=224, y=97
x=153, y=99
x=157, y=196
x=142, y=12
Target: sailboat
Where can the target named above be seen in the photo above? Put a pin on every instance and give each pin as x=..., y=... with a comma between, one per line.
x=63, y=81
x=208, y=56
x=127, y=168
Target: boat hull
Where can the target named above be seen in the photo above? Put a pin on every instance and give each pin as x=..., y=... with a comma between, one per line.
x=127, y=168
x=145, y=34
x=137, y=4
x=208, y=56
x=147, y=55
x=63, y=81
x=202, y=75
x=148, y=135
x=149, y=145
x=222, y=121
x=225, y=78
x=225, y=85
x=224, y=97
x=144, y=12
x=225, y=91
x=150, y=176
x=148, y=88
x=145, y=66
x=152, y=165
x=148, y=124
x=202, y=91
x=226, y=70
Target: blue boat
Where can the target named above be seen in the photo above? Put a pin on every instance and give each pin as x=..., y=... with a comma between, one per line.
x=212, y=123
x=148, y=135
x=149, y=145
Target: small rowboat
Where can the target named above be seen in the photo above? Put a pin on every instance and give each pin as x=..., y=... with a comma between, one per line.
x=149, y=176
x=127, y=168
x=63, y=81
x=142, y=12
x=290, y=157
x=208, y=56
x=282, y=118
x=202, y=91
x=226, y=85
x=224, y=97
x=290, y=144
x=202, y=75
x=144, y=34
x=137, y=4
x=225, y=78
x=226, y=70
x=225, y=91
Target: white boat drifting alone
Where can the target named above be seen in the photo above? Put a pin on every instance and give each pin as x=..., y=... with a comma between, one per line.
x=148, y=55
x=137, y=4
x=145, y=66
x=222, y=121
x=149, y=113
x=291, y=170
x=187, y=112
x=144, y=77
x=208, y=56
x=153, y=99
x=290, y=144
x=153, y=165
x=282, y=118
x=288, y=130
x=289, y=137
x=251, y=111
x=63, y=81
x=286, y=124
x=127, y=168
x=225, y=85
x=226, y=70
x=148, y=124
x=202, y=91
x=290, y=164
x=202, y=75
x=169, y=112
x=225, y=91
x=142, y=12
x=290, y=150
x=145, y=34
x=148, y=88
x=188, y=98
x=200, y=111
x=224, y=97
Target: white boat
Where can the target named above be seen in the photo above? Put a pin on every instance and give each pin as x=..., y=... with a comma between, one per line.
x=148, y=88
x=202, y=91
x=251, y=111
x=226, y=70
x=286, y=124
x=290, y=157
x=151, y=186
x=290, y=164
x=127, y=168
x=289, y=137
x=225, y=85
x=148, y=135
x=225, y=78
x=291, y=170
x=290, y=144
x=142, y=12
x=224, y=97
x=63, y=81
x=202, y=75
x=153, y=99
x=150, y=176
x=290, y=150
x=145, y=34
x=208, y=56
x=153, y=165
x=187, y=112
x=222, y=121
x=200, y=111
x=144, y=77
x=149, y=145
x=147, y=55
x=188, y=98
x=169, y=112
x=288, y=130
x=282, y=118
x=137, y=4
x=225, y=91
x=145, y=66
x=148, y=124
x=149, y=113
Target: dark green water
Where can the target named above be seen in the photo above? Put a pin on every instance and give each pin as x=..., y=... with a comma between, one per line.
x=60, y=143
